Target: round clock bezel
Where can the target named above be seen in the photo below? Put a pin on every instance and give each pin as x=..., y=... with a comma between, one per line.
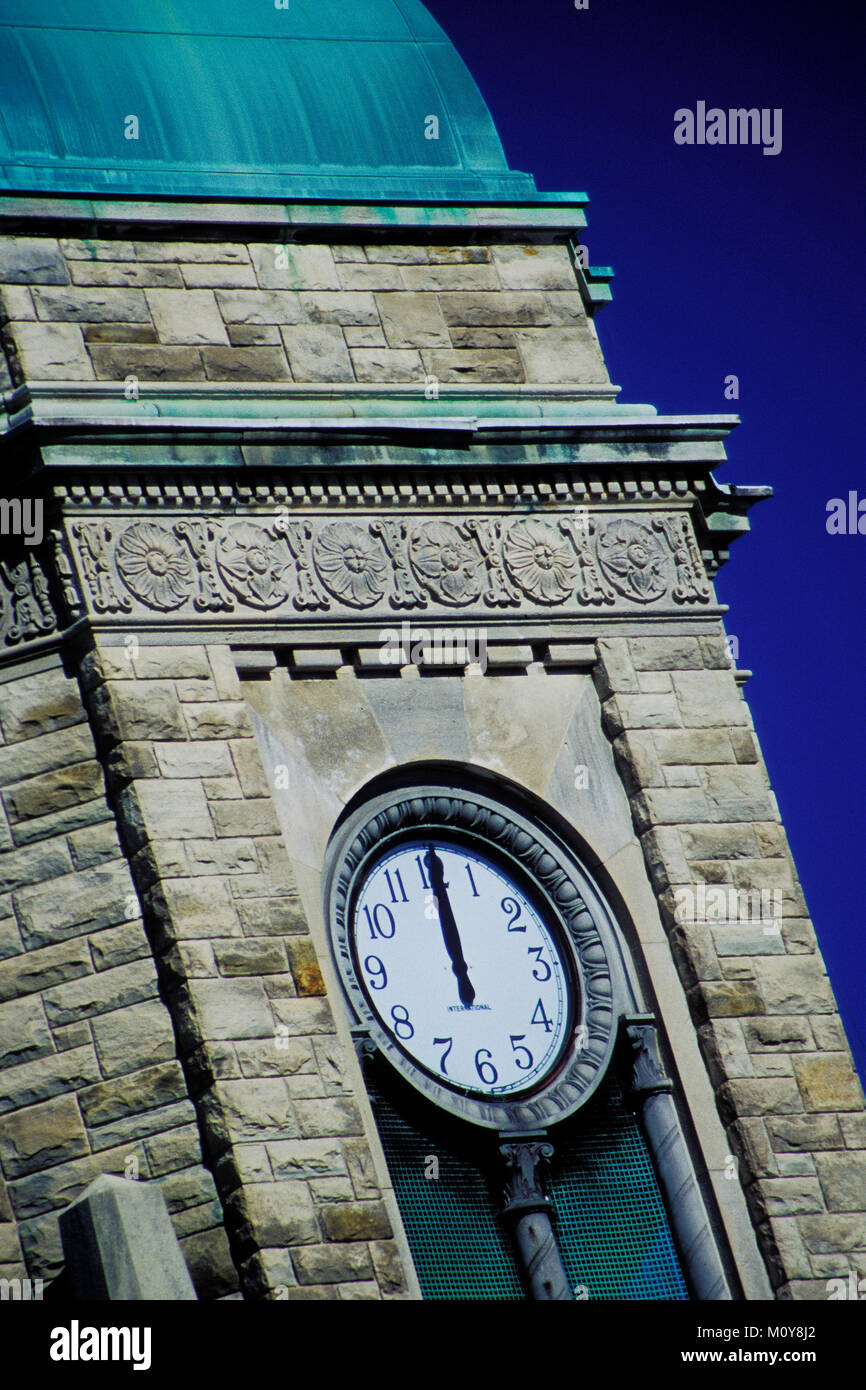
x=575, y=913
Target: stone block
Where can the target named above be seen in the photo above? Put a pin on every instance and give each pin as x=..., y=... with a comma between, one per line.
x=843, y=1180
x=828, y=1082
x=168, y=1153
x=474, y=364
x=79, y=305
x=148, y=363
x=46, y=1077
x=210, y=1264
x=387, y=364
x=666, y=653
x=99, y=333
x=534, y=267
x=387, y=251
x=251, y=958
x=826, y=1235
x=52, y=352
x=165, y=809
x=254, y=335
x=692, y=747
x=129, y=1039
x=348, y=1221
x=248, y=765
x=561, y=355
x=784, y=1197
x=729, y=998
x=218, y=277
x=135, y=1128
x=482, y=338
x=24, y=1032
x=186, y=316
x=412, y=321
x=738, y=793
x=273, y=1214
x=356, y=307
x=294, y=266
x=454, y=277
x=646, y=712
x=171, y=663
x=126, y=273
x=709, y=699
x=222, y=253
x=332, y=1263
x=254, y=307
x=328, y=1116
x=794, y=985
x=370, y=337
x=119, y=945
x=33, y=971
x=317, y=352
x=93, y=845
x=71, y=1035
x=306, y=972
x=119, y=1244
x=30, y=260
x=504, y=308
x=668, y=806
x=217, y=719
x=228, y=1009
x=742, y=1097
x=255, y=816
x=180, y=760
x=789, y=1034
x=41, y=1135
x=53, y=790
x=718, y=841
x=191, y=908
x=224, y=856
x=306, y=1158
x=16, y=303
x=245, y=364
x=854, y=1131
x=46, y=753
x=98, y=897
x=146, y=709
x=95, y=994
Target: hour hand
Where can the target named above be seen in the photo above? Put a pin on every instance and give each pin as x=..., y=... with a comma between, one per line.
x=450, y=934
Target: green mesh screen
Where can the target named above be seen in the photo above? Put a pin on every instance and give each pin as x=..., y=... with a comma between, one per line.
x=611, y=1225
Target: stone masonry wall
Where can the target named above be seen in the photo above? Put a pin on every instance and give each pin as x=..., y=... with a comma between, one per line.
x=89, y=1083
x=281, y=1129
x=761, y=1003
x=261, y=312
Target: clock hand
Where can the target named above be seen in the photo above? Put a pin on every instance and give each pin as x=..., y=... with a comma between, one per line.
x=450, y=934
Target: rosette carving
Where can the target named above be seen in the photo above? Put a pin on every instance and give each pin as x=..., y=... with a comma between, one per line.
x=350, y=564
x=540, y=561
x=154, y=565
x=449, y=566
x=251, y=564
x=632, y=558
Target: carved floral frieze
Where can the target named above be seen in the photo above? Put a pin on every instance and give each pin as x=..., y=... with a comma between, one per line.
x=273, y=563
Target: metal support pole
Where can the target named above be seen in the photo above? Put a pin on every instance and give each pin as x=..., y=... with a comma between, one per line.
x=528, y=1212
x=651, y=1090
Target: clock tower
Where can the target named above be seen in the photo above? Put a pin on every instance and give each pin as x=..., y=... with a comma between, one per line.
x=390, y=871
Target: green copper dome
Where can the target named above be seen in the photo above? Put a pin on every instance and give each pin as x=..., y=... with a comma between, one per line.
x=328, y=99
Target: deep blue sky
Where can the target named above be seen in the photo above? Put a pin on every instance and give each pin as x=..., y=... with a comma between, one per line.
x=731, y=261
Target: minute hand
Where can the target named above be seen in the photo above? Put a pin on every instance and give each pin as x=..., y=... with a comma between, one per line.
x=450, y=934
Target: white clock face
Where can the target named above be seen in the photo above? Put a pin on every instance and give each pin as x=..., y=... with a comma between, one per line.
x=460, y=967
